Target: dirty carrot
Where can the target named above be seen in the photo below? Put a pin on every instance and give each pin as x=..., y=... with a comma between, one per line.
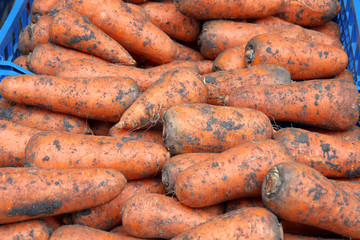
x=330, y=28
x=346, y=75
x=231, y=58
x=21, y=61
x=53, y=222
x=352, y=133
x=243, y=202
x=187, y=54
x=205, y=66
x=40, y=8
x=149, y=135
x=31, y=229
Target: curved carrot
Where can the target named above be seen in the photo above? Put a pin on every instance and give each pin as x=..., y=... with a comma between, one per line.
x=346, y=75
x=31, y=229
x=205, y=66
x=330, y=28
x=231, y=58
x=21, y=61
x=150, y=135
x=187, y=54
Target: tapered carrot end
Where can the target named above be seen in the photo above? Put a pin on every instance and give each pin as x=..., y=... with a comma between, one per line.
x=120, y=125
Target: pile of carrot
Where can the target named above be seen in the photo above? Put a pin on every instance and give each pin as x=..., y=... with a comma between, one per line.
x=180, y=120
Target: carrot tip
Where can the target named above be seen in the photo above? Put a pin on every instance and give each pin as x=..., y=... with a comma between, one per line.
x=272, y=183
x=119, y=125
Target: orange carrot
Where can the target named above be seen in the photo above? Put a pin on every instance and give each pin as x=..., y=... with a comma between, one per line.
x=246, y=223
x=298, y=237
x=331, y=104
x=271, y=21
x=346, y=75
x=205, y=66
x=199, y=127
x=40, y=118
x=40, y=8
x=151, y=215
x=134, y=159
x=330, y=28
x=240, y=203
x=100, y=128
x=294, y=228
x=231, y=58
x=352, y=133
x=29, y=193
x=21, y=61
x=187, y=54
x=150, y=135
x=32, y=229
x=109, y=215
x=70, y=29
x=237, y=172
x=183, y=85
x=53, y=222
x=102, y=98
x=134, y=32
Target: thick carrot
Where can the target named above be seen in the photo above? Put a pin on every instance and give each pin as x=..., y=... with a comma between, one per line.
x=219, y=35
x=108, y=215
x=298, y=193
x=29, y=193
x=71, y=29
x=21, y=61
x=346, y=75
x=41, y=118
x=231, y=58
x=331, y=104
x=183, y=85
x=100, y=128
x=187, y=54
x=149, y=135
x=168, y=18
x=176, y=164
x=102, y=98
x=330, y=28
x=237, y=172
x=304, y=59
x=134, y=32
x=352, y=133
x=31, y=229
x=350, y=186
x=199, y=127
x=135, y=159
x=309, y=12
x=221, y=84
x=243, y=9
x=331, y=156
x=45, y=58
x=247, y=223
x=240, y=203
x=151, y=215
x=40, y=8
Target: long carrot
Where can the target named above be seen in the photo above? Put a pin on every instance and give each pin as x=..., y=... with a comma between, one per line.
x=31, y=229
x=247, y=223
x=29, y=193
x=187, y=54
x=293, y=190
x=70, y=29
x=231, y=58
x=352, y=133
x=135, y=33
x=199, y=127
x=150, y=135
x=135, y=159
x=330, y=28
x=331, y=104
x=102, y=98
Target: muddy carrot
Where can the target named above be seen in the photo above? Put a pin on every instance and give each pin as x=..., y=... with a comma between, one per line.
x=330, y=28
x=151, y=215
x=135, y=159
x=240, y=203
x=237, y=172
x=187, y=54
x=108, y=215
x=346, y=75
x=57, y=191
x=40, y=8
x=134, y=32
x=331, y=104
x=205, y=66
x=21, y=61
x=199, y=127
x=352, y=133
x=231, y=58
x=349, y=185
x=102, y=98
x=299, y=237
x=292, y=190
x=221, y=84
x=53, y=222
x=295, y=228
x=71, y=29
x=100, y=128
x=183, y=85
x=150, y=135
x=31, y=229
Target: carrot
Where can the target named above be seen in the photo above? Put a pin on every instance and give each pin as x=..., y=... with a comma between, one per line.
x=183, y=85
x=298, y=237
x=21, y=61
x=58, y=6
x=45, y=58
x=271, y=21
x=108, y=215
x=240, y=203
x=119, y=230
x=205, y=66
x=331, y=104
x=187, y=54
x=219, y=35
x=352, y=133
x=13, y=138
x=346, y=75
x=246, y=223
x=150, y=135
x=202, y=9
x=136, y=1
x=134, y=32
x=304, y=59
x=221, y=84
x=29, y=193
x=231, y=58
x=79, y=232
x=309, y=12
x=331, y=156
x=53, y=222
x=40, y=8
x=151, y=215
x=293, y=190
x=199, y=127
x=137, y=9
x=176, y=164
x=237, y=172
x=330, y=28
x=71, y=29
x=31, y=229
x=102, y=98
x=135, y=159
x=350, y=186
x=100, y=128
x=166, y=16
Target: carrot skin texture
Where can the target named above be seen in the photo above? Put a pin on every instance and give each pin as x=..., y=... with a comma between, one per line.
x=330, y=28
x=108, y=215
x=240, y=203
x=31, y=229
x=291, y=190
x=231, y=58
x=41, y=118
x=71, y=29
x=165, y=216
x=71, y=190
x=149, y=135
x=352, y=133
x=200, y=127
x=40, y=8
x=303, y=59
x=21, y=61
x=346, y=75
x=82, y=97
x=331, y=156
x=134, y=32
x=53, y=222
x=331, y=104
x=187, y=54
x=247, y=223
